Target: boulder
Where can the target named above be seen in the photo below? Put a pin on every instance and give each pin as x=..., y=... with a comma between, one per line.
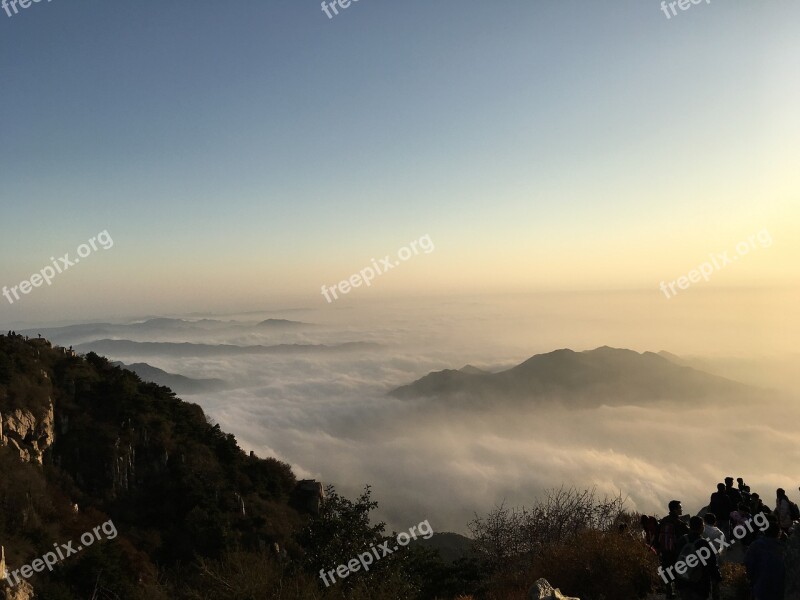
x=308, y=496
x=542, y=590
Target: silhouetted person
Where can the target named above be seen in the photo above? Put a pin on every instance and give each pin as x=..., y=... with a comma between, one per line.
x=783, y=510
x=734, y=494
x=740, y=517
x=757, y=505
x=670, y=531
x=713, y=533
x=709, y=575
x=650, y=529
x=765, y=567
x=720, y=504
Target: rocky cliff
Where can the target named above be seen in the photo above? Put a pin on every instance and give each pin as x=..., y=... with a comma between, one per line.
x=28, y=434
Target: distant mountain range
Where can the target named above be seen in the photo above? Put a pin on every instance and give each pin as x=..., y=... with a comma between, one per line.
x=602, y=376
x=186, y=349
x=178, y=328
x=177, y=383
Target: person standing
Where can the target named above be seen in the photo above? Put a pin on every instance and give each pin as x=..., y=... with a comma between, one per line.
x=765, y=566
x=713, y=533
x=783, y=510
x=734, y=494
x=720, y=505
x=703, y=579
x=670, y=531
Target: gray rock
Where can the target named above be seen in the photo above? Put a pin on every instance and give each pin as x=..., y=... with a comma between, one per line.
x=542, y=590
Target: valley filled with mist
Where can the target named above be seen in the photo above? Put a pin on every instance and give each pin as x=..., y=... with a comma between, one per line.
x=346, y=395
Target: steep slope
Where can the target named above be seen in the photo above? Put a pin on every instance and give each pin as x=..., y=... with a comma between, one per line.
x=85, y=442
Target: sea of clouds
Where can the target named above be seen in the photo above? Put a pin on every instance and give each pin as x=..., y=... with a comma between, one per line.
x=329, y=416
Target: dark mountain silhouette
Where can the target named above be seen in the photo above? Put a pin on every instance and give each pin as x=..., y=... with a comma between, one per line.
x=590, y=378
x=283, y=324
x=178, y=383
x=450, y=546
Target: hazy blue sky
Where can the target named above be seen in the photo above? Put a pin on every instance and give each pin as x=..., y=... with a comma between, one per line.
x=245, y=150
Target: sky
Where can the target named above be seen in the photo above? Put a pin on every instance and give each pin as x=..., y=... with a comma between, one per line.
x=245, y=154
x=569, y=168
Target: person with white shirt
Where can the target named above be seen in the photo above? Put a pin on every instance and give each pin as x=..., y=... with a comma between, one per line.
x=713, y=533
x=717, y=539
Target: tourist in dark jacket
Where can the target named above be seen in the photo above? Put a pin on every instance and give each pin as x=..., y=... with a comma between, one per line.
x=670, y=531
x=765, y=566
x=720, y=504
x=708, y=584
x=734, y=494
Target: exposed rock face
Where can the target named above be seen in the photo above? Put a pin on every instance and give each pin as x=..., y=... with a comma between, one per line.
x=123, y=467
x=542, y=590
x=30, y=436
x=308, y=496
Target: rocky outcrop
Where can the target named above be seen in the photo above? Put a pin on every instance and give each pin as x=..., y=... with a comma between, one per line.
x=542, y=590
x=308, y=496
x=22, y=591
x=29, y=435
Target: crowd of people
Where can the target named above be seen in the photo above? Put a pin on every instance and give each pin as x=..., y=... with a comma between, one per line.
x=735, y=516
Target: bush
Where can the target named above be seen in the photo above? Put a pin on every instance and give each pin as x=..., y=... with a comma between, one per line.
x=734, y=582
x=607, y=565
x=574, y=539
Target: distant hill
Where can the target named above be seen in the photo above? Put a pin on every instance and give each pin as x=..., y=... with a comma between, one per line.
x=590, y=378
x=283, y=324
x=185, y=349
x=450, y=546
x=177, y=383
x=469, y=369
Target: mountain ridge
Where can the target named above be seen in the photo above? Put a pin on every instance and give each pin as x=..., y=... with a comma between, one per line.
x=178, y=383
x=614, y=375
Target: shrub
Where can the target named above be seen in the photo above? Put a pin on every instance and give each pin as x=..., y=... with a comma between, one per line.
x=575, y=539
x=597, y=564
x=734, y=582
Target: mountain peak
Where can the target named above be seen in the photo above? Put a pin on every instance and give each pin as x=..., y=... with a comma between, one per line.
x=604, y=375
